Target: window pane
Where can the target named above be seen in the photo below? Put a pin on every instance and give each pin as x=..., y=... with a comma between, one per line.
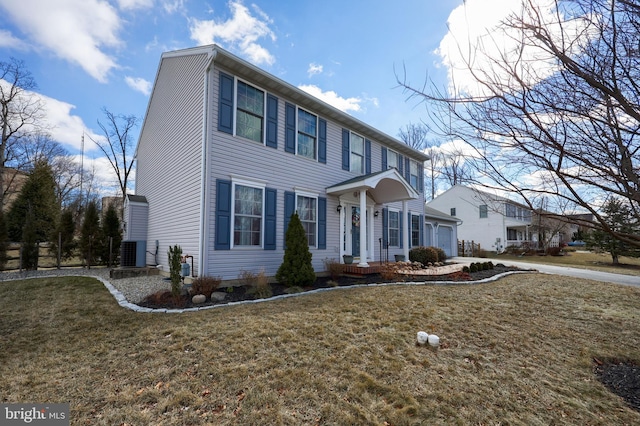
x=249, y=126
x=415, y=230
x=357, y=153
x=392, y=159
x=306, y=146
x=394, y=229
x=250, y=99
x=306, y=123
x=306, y=207
x=247, y=226
x=483, y=211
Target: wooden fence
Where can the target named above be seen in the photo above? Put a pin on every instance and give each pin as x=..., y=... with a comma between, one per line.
x=468, y=248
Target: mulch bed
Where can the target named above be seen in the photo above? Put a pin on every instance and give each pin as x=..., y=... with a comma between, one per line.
x=164, y=300
x=622, y=378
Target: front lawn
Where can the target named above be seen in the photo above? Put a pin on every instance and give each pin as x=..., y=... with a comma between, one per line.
x=517, y=351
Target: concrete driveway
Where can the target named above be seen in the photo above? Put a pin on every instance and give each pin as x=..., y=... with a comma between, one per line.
x=629, y=280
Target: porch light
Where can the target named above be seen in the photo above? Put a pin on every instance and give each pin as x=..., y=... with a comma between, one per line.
x=338, y=208
x=376, y=213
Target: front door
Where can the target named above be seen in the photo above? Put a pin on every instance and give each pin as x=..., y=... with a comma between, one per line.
x=355, y=231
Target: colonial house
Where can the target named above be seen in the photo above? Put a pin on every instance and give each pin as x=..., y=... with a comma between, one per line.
x=228, y=152
x=492, y=221
x=497, y=222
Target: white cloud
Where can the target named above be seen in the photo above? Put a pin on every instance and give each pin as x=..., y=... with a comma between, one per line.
x=140, y=84
x=314, y=69
x=173, y=6
x=332, y=98
x=8, y=40
x=239, y=33
x=134, y=4
x=74, y=30
x=475, y=41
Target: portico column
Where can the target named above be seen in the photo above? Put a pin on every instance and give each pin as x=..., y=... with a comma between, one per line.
x=405, y=231
x=342, y=215
x=363, y=228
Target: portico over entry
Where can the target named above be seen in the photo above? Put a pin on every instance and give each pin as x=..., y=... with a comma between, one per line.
x=361, y=194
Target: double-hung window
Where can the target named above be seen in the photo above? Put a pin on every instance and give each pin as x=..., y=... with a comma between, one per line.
x=248, y=211
x=250, y=112
x=307, y=134
x=392, y=160
x=413, y=174
x=484, y=211
x=307, y=208
x=394, y=228
x=357, y=154
x=415, y=230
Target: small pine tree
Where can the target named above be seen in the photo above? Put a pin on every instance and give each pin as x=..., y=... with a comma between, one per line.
x=29, y=242
x=296, y=268
x=90, y=235
x=619, y=217
x=175, y=265
x=111, y=230
x=65, y=235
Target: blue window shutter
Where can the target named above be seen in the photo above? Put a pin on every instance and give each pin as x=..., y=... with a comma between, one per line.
x=421, y=230
x=400, y=228
x=346, y=153
x=385, y=227
x=322, y=141
x=225, y=104
x=367, y=156
x=272, y=121
x=384, y=159
x=322, y=223
x=400, y=164
x=407, y=169
x=290, y=128
x=410, y=228
x=270, y=214
x=289, y=209
x=223, y=215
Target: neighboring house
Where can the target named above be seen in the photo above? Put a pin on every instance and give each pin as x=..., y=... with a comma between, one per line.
x=12, y=182
x=492, y=221
x=227, y=152
x=441, y=230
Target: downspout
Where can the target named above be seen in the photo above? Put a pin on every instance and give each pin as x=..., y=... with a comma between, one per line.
x=203, y=262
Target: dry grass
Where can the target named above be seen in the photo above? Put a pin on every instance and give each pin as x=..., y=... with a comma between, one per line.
x=518, y=351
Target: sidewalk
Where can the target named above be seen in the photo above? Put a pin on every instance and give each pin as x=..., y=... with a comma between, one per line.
x=588, y=274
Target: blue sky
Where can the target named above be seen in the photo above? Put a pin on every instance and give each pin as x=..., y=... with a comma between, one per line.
x=90, y=54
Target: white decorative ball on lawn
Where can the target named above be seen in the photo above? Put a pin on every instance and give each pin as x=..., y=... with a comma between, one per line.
x=423, y=337
x=434, y=340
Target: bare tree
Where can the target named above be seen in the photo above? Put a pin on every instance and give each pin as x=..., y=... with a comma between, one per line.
x=118, y=145
x=20, y=109
x=415, y=135
x=568, y=130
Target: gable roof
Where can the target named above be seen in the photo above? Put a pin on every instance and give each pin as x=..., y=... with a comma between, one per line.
x=384, y=187
x=272, y=83
x=432, y=213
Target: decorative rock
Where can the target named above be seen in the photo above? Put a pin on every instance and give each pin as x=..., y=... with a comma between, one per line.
x=198, y=299
x=422, y=337
x=434, y=340
x=218, y=295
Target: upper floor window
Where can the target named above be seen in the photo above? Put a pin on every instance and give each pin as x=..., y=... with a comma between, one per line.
x=392, y=160
x=307, y=208
x=413, y=175
x=357, y=154
x=307, y=134
x=484, y=211
x=250, y=112
x=453, y=211
x=247, y=221
x=394, y=228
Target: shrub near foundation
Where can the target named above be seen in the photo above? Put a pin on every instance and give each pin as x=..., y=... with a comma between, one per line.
x=205, y=285
x=424, y=255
